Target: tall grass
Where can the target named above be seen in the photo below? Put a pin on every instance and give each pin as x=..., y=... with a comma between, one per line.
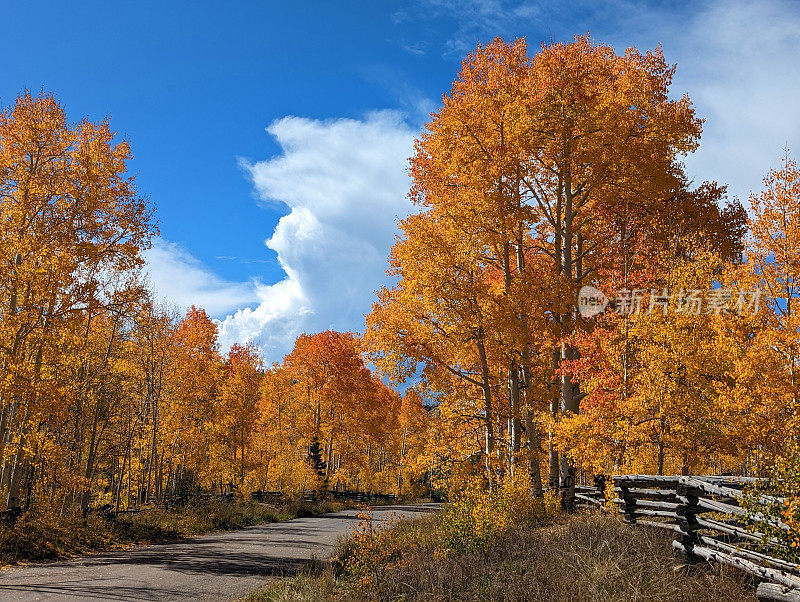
x=581, y=558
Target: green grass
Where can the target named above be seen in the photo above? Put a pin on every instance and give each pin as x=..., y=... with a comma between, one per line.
x=41, y=538
x=579, y=558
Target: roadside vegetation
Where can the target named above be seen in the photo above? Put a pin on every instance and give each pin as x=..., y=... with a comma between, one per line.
x=40, y=538
x=581, y=557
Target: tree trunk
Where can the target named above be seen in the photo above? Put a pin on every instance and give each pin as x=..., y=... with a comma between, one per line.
x=487, y=410
x=553, y=460
x=569, y=390
x=534, y=468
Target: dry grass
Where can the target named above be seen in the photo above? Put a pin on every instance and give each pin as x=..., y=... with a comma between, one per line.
x=583, y=558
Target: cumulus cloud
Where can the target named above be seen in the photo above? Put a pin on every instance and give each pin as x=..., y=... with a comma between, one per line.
x=345, y=184
x=344, y=181
x=181, y=279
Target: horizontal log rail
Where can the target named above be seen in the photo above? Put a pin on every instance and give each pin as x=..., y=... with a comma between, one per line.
x=662, y=494
x=763, y=572
x=708, y=520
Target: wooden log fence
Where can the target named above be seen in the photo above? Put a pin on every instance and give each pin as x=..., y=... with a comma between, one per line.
x=709, y=523
x=277, y=497
x=9, y=517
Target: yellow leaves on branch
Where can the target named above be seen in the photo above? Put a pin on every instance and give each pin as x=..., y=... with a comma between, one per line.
x=108, y=399
x=537, y=175
x=73, y=226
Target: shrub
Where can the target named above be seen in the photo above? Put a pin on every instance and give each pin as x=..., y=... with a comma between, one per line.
x=369, y=552
x=476, y=515
x=782, y=528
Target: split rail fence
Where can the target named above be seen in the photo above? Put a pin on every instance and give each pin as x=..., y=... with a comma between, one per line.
x=10, y=516
x=335, y=495
x=708, y=520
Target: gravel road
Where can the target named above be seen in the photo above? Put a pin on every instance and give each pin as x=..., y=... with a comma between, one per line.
x=221, y=566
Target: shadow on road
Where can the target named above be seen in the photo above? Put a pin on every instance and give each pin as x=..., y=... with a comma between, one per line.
x=221, y=566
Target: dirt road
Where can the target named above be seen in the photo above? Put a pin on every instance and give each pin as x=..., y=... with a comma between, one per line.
x=221, y=566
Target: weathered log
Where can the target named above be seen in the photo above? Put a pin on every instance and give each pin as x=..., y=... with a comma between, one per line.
x=734, y=530
x=716, y=506
x=661, y=525
x=729, y=481
x=659, y=513
x=722, y=507
x=588, y=499
x=665, y=494
x=721, y=490
x=773, y=592
x=776, y=563
x=651, y=504
x=740, y=563
x=646, y=480
x=733, y=480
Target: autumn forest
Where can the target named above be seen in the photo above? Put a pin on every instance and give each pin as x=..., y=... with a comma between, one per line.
x=544, y=171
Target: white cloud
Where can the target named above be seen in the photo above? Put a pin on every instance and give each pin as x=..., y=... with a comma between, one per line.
x=344, y=181
x=482, y=20
x=345, y=184
x=181, y=279
x=737, y=60
x=738, y=63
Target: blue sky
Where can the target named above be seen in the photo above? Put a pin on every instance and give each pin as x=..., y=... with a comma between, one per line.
x=290, y=123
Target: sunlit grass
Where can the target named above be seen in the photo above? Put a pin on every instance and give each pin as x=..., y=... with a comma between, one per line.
x=577, y=558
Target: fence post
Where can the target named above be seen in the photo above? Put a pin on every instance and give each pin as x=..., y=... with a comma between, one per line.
x=568, y=491
x=600, y=485
x=629, y=503
x=687, y=508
